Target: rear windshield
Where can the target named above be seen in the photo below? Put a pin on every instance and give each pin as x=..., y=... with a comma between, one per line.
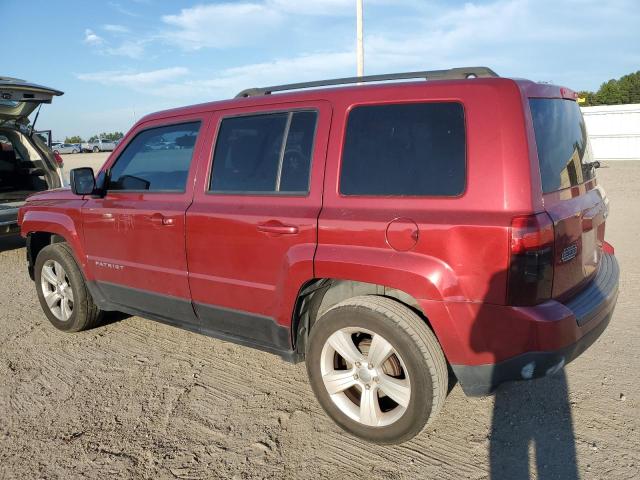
x=564, y=152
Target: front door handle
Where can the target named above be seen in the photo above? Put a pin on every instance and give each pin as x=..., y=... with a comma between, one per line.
x=160, y=219
x=277, y=227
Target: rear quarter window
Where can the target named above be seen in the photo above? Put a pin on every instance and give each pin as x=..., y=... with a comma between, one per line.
x=564, y=152
x=415, y=149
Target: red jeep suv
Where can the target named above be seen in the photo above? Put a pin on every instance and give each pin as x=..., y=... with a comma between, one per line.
x=390, y=235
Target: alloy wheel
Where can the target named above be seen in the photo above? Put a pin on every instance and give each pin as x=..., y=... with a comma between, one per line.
x=365, y=376
x=57, y=290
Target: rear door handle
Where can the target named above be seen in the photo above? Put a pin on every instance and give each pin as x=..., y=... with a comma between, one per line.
x=160, y=219
x=277, y=227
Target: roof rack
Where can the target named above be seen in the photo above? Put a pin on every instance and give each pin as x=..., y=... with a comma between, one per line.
x=460, y=73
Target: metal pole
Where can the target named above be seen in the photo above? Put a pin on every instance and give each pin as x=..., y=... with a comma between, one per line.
x=359, y=42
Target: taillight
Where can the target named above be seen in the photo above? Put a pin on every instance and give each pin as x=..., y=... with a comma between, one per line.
x=58, y=159
x=531, y=264
x=608, y=248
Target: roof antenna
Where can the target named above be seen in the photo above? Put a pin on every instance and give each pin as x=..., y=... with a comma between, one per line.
x=33, y=125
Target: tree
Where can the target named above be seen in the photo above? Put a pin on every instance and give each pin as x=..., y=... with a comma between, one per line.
x=615, y=92
x=74, y=139
x=113, y=136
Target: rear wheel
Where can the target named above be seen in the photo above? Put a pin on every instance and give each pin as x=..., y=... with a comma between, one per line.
x=377, y=369
x=62, y=291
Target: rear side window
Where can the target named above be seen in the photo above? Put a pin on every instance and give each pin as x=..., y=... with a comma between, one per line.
x=157, y=159
x=405, y=150
x=266, y=153
x=564, y=152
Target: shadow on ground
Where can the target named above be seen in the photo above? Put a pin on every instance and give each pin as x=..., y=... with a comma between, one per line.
x=112, y=317
x=533, y=416
x=528, y=416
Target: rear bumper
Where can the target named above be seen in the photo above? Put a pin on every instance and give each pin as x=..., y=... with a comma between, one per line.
x=586, y=316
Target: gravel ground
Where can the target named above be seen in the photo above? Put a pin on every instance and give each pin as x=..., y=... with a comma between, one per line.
x=138, y=399
x=93, y=160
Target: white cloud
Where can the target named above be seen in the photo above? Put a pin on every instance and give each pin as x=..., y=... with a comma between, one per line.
x=120, y=9
x=125, y=45
x=230, y=81
x=515, y=37
x=91, y=38
x=115, y=28
x=131, y=49
x=221, y=25
x=314, y=7
x=247, y=22
x=180, y=84
x=286, y=70
x=135, y=80
x=338, y=8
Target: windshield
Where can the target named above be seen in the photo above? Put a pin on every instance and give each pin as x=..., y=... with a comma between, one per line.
x=564, y=151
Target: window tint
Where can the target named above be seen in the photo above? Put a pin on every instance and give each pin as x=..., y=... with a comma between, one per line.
x=266, y=153
x=564, y=152
x=401, y=150
x=156, y=159
x=297, y=154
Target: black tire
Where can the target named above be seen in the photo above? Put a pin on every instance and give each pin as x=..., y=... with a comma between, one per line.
x=96, y=149
x=411, y=337
x=85, y=314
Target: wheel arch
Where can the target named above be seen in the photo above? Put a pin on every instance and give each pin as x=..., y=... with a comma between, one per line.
x=36, y=241
x=318, y=295
x=41, y=228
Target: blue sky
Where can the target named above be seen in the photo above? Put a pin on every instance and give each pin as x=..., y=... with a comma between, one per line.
x=118, y=60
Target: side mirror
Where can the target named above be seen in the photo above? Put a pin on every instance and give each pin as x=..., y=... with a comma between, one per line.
x=82, y=181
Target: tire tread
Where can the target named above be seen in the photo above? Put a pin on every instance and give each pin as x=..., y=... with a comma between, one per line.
x=93, y=314
x=412, y=324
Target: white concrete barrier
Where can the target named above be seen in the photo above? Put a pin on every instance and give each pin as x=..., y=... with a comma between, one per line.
x=614, y=131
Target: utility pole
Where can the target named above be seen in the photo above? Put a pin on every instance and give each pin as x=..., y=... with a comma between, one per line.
x=359, y=42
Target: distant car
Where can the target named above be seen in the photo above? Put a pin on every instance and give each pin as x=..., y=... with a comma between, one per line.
x=161, y=144
x=27, y=164
x=102, y=145
x=64, y=148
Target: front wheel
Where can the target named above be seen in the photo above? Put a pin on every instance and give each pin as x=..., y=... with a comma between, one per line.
x=377, y=369
x=62, y=291
x=96, y=149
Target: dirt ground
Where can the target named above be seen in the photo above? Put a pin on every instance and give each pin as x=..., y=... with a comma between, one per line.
x=138, y=399
x=93, y=160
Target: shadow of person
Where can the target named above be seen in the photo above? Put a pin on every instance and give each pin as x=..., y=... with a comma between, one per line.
x=534, y=415
x=528, y=416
